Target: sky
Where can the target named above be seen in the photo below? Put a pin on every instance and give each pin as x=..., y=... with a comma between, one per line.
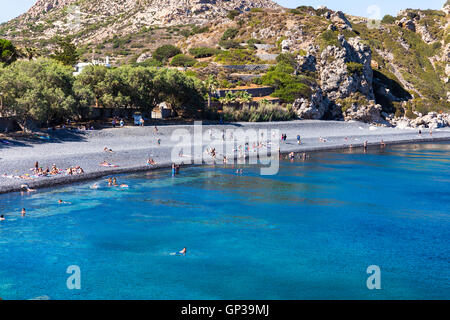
x=366, y=8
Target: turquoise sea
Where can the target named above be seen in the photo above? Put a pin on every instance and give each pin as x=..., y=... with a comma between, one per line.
x=309, y=232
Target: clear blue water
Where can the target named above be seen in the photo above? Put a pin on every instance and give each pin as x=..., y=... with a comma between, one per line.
x=309, y=232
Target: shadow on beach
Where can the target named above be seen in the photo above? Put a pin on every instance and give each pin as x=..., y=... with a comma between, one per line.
x=28, y=140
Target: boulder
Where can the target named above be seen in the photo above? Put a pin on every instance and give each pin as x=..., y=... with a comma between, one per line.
x=370, y=113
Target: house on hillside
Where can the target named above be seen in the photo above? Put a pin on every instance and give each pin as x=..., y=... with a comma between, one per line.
x=81, y=65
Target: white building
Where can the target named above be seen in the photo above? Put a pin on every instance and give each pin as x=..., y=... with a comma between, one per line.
x=81, y=65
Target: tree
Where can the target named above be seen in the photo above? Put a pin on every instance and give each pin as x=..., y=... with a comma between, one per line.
x=182, y=60
x=165, y=52
x=8, y=53
x=66, y=53
x=228, y=99
x=288, y=86
x=39, y=90
x=211, y=85
x=243, y=97
x=89, y=85
x=185, y=94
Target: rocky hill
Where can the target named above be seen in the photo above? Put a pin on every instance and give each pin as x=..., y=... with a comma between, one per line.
x=345, y=67
x=363, y=70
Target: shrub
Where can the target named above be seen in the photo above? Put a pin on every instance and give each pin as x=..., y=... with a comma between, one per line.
x=166, y=52
x=233, y=14
x=288, y=86
x=230, y=34
x=237, y=57
x=182, y=60
x=388, y=19
x=287, y=58
x=229, y=44
x=355, y=67
x=329, y=38
x=203, y=52
x=264, y=113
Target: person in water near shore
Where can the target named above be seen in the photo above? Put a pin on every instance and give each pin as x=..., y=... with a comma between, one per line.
x=110, y=182
x=365, y=145
x=24, y=212
x=115, y=182
x=94, y=186
x=26, y=188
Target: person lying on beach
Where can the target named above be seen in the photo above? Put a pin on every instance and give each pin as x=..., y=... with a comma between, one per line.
x=151, y=162
x=107, y=164
x=108, y=150
x=63, y=202
x=322, y=140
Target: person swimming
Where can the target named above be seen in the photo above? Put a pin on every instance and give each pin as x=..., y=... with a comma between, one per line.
x=183, y=252
x=94, y=186
x=24, y=212
x=2, y=218
x=63, y=202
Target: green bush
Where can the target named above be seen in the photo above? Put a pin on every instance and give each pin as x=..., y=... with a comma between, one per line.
x=230, y=34
x=329, y=38
x=388, y=19
x=288, y=86
x=264, y=113
x=182, y=60
x=237, y=57
x=229, y=44
x=165, y=52
x=287, y=58
x=355, y=67
x=203, y=52
x=232, y=14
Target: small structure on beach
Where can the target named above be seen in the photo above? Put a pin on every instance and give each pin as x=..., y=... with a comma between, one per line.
x=162, y=111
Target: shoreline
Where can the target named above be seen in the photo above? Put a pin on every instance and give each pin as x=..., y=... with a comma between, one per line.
x=128, y=157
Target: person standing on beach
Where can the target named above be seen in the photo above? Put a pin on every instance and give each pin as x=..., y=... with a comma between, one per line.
x=299, y=141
